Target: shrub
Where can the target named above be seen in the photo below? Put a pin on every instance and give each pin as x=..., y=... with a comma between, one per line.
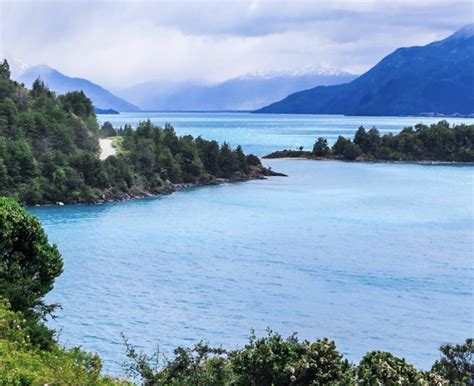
x=29, y=263
x=23, y=363
x=456, y=363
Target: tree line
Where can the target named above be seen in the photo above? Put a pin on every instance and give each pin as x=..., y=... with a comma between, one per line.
x=49, y=151
x=437, y=142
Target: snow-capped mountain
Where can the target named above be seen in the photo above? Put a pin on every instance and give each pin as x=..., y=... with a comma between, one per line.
x=245, y=92
x=437, y=78
x=304, y=71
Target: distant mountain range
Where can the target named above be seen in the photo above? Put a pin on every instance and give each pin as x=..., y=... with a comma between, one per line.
x=246, y=92
x=434, y=79
x=60, y=83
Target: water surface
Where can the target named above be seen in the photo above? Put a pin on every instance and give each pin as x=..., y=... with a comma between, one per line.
x=374, y=256
x=263, y=133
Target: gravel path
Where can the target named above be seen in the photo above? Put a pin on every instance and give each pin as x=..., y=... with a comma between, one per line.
x=106, y=148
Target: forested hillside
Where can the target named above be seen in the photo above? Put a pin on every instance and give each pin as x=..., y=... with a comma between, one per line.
x=49, y=152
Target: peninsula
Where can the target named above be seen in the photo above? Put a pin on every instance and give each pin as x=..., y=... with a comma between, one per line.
x=50, y=152
x=438, y=143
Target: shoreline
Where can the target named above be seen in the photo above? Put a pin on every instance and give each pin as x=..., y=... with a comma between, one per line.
x=423, y=162
x=110, y=198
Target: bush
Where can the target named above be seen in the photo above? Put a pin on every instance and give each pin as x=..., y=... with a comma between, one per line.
x=23, y=363
x=321, y=148
x=270, y=360
x=351, y=151
x=383, y=368
x=29, y=264
x=273, y=360
x=456, y=363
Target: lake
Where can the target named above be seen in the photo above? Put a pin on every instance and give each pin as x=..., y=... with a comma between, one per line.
x=374, y=256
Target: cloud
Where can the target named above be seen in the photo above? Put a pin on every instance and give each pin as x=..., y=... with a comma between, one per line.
x=120, y=43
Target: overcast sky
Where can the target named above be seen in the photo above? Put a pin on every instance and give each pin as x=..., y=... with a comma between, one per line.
x=117, y=44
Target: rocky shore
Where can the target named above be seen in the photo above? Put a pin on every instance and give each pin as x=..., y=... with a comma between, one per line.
x=307, y=155
x=257, y=173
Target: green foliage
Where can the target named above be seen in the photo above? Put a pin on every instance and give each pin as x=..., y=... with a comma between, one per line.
x=271, y=360
x=107, y=130
x=28, y=267
x=339, y=146
x=438, y=142
x=5, y=70
x=457, y=363
x=198, y=365
x=382, y=368
x=351, y=151
x=77, y=103
x=24, y=363
x=49, y=151
x=275, y=361
x=29, y=264
x=321, y=148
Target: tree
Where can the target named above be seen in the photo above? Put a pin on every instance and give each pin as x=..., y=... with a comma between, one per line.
x=374, y=140
x=49, y=151
x=456, y=363
x=273, y=360
x=253, y=160
x=29, y=263
x=39, y=89
x=78, y=103
x=362, y=139
x=339, y=146
x=383, y=368
x=351, y=151
x=107, y=130
x=241, y=159
x=209, y=151
x=5, y=70
x=321, y=148
x=228, y=161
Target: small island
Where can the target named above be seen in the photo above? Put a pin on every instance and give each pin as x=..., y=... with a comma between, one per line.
x=438, y=143
x=106, y=111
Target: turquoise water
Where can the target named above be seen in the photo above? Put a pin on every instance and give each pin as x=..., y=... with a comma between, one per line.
x=264, y=133
x=374, y=256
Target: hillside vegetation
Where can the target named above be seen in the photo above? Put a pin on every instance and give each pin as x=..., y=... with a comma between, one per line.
x=49, y=152
x=436, y=143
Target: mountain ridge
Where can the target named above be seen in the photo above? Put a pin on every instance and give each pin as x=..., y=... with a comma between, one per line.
x=245, y=92
x=437, y=78
x=60, y=83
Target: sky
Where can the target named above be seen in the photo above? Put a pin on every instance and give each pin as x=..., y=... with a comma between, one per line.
x=120, y=43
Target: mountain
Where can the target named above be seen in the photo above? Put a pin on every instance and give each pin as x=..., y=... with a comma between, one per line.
x=60, y=83
x=434, y=79
x=246, y=92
